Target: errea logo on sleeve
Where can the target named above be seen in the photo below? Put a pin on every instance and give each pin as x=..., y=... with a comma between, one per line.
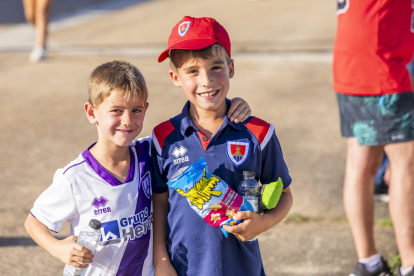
x=179, y=154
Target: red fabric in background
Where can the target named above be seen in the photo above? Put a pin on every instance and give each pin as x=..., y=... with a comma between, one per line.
x=374, y=43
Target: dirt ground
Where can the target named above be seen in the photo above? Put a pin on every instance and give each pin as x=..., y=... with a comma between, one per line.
x=282, y=52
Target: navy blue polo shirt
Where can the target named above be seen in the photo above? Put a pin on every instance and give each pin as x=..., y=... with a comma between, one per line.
x=195, y=247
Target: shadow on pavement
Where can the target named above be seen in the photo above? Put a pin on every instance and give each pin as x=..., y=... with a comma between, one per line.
x=11, y=11
x=19, y=241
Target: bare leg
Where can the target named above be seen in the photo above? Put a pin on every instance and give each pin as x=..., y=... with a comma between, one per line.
x=362, y=163
x=401, y=203
x=42, y=18
x=29, y=10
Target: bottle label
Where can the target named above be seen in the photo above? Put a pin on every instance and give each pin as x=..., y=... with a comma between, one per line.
x=254, y=201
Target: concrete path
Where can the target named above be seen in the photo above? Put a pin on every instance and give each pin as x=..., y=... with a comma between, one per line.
x=282, y=52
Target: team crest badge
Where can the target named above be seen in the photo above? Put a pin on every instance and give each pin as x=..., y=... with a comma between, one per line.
x=146, y=184
x=183, y=28
x=237, y=152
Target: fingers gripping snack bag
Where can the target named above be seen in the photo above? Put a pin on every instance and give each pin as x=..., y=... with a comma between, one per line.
x=209, y=196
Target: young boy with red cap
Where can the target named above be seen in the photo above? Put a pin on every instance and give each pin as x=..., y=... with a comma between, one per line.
x=184, y=244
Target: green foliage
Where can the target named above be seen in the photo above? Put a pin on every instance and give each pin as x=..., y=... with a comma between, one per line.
x=395, y=263
x=385, y=223
x=296, y=218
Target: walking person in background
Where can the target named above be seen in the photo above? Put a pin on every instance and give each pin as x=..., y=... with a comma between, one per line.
x=37, y=14
x=374, y=43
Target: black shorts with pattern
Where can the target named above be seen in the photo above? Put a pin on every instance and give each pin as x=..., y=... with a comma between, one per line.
x=377, y=120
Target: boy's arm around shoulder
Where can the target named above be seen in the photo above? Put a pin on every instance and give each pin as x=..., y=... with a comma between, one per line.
x=239, y=110
x=67, y=250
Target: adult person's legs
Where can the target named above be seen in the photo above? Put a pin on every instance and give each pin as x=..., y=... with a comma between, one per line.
x=29, y=10
x=37, y=13
x=401, y=203
x=362, y=164
x=42, y=19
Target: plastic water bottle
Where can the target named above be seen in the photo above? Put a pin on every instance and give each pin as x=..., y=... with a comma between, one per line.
x=89, y=237
x=249, y=189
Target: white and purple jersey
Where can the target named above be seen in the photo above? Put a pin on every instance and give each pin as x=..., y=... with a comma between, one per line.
x=84, y=190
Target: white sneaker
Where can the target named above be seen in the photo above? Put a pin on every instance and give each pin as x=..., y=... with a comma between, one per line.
x=38, y=54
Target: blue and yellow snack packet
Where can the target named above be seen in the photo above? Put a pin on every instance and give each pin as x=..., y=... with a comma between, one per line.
x=209, y=196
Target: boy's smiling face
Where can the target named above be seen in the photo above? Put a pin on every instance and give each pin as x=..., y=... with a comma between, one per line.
x=205, y=82
x=119, y=121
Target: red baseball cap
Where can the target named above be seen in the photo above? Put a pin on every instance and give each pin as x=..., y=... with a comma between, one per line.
x=195, y=34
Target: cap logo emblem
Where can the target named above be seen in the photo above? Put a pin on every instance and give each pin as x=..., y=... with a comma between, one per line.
x=183, y=28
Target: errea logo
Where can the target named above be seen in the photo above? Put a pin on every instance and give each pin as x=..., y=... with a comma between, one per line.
x=100, y=202
x=179, y=154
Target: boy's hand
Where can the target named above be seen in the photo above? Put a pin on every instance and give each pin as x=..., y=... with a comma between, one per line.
x=254, y=224
x=165, y=269
x=72, y=253
x=239, y=110
x=249, y=228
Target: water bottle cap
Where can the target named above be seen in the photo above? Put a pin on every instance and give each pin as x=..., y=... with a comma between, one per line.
x=249, y=173
x=95, y=224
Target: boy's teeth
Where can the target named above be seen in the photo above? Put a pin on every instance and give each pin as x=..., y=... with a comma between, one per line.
x=208, y=94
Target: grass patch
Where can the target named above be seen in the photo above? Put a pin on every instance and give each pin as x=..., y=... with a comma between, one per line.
x=340, y=219
x=296, y=218
x=385, y=223
x=395, y=263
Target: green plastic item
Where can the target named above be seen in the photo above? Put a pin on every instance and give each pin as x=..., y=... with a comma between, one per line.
x=271, y=193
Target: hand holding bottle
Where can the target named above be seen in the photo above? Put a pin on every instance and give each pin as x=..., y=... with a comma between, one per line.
x=72, y=253
x=88, y=238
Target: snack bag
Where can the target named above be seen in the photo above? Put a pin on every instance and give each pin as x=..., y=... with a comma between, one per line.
x=209, y=196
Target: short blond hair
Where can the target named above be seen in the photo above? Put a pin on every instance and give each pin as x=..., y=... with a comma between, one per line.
x=116, y=76
x=179, y=56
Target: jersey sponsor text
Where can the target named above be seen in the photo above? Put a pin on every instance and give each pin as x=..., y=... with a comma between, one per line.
x=132, y=228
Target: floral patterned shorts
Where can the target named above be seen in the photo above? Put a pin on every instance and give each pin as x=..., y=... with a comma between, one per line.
x=377, y=120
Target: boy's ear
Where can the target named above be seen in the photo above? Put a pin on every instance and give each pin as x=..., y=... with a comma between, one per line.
x=231, y=69
x=175, y=79
x=90, y=113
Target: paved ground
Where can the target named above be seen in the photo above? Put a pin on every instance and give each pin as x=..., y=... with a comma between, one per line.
x=282, y=51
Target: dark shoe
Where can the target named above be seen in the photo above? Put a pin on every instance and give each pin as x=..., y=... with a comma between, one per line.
x=381, y=192
x=383, y=270
x=409, y=274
